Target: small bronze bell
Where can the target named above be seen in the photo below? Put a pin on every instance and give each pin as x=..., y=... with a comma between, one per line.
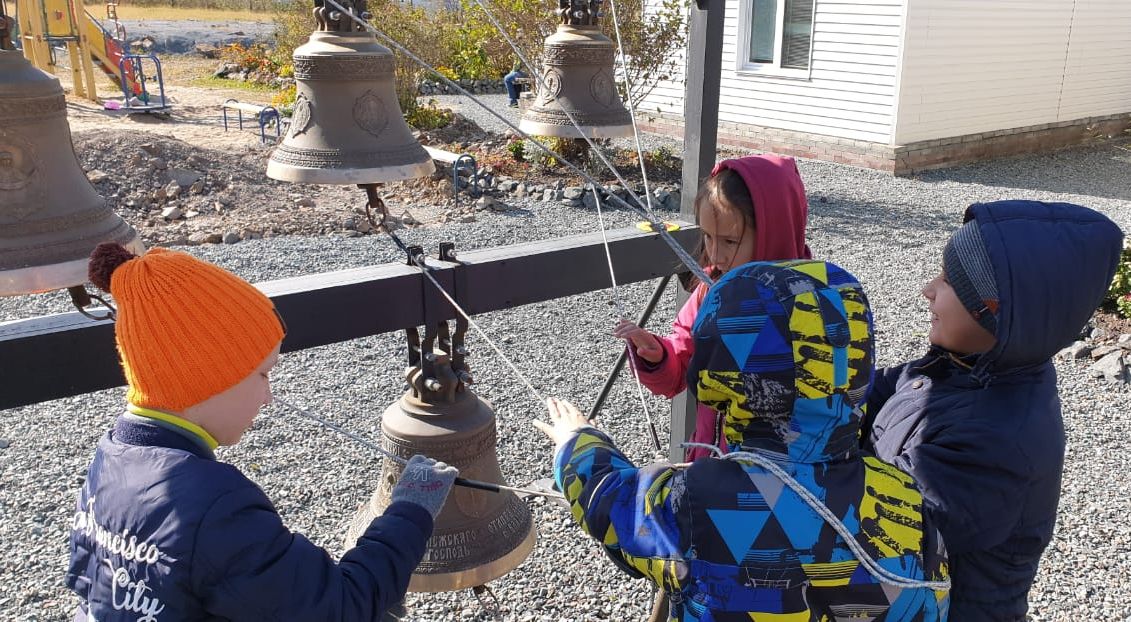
x=479, y=535
x=578, y=77
x=347, y=127
x=51, y=218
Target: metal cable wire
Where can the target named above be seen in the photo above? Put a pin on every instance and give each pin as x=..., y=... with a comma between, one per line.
x=592, y=145
x=658, y=227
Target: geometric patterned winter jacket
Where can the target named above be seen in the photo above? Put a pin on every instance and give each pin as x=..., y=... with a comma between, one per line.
x=784, y=352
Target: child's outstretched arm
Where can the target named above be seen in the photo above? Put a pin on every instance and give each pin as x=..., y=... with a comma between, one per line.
x=248, y=566
x=628, y=510
x=666, y=375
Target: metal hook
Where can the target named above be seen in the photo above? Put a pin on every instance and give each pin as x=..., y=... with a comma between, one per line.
x=82, y=299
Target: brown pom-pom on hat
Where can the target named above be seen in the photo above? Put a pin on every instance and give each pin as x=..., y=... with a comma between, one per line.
x=105, y=259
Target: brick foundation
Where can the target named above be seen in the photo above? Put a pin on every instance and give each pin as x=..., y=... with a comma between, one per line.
x=911, y=158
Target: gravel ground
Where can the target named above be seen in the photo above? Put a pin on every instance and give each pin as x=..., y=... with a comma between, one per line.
x=887, y=231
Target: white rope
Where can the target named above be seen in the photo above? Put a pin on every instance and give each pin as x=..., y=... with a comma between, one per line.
x=658, y=227
x=883, y=575
x=631, y=110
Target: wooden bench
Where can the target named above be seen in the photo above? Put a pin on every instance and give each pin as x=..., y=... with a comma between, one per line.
x=263, y=115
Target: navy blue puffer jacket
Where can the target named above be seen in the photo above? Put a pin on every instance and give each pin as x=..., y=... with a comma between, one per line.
x=165, y=532
x=983, y=435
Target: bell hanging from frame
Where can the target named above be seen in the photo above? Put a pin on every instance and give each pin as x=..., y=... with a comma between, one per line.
x=51, y=217
x=478, y=535
x=578, y=78
x=347, y=126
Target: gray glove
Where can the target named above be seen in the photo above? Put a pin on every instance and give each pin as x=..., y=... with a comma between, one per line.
x=426, y=483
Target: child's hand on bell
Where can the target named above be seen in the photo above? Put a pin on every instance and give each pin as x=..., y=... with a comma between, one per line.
x=647, y=345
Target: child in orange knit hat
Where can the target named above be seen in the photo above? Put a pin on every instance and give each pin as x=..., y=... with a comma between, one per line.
x=164, y=531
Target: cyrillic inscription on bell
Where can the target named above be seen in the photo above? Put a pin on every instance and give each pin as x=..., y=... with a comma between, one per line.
x=578, y=78
x=347, y=127
x=51, y=217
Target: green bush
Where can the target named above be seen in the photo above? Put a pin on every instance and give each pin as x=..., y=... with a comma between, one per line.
x=429, y=117
x=1119, y=296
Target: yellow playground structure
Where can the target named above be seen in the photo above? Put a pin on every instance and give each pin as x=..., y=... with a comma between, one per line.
x=44, y=25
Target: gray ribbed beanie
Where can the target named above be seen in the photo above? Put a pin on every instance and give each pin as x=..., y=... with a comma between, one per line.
x=970, y=273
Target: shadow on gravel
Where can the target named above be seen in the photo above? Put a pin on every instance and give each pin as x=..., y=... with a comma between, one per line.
x=1095, y=171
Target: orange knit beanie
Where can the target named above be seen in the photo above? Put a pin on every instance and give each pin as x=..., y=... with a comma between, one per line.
x=186, y=330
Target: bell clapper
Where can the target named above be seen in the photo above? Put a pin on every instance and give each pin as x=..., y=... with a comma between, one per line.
x=83, y=299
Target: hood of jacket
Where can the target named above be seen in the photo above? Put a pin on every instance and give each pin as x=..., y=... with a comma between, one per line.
x=780, y=208
x=1053, y=264
x=784, y=351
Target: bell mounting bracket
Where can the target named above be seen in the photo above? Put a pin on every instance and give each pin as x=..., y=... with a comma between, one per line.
x=437, y=367
x=330, y=19
x=579, y=12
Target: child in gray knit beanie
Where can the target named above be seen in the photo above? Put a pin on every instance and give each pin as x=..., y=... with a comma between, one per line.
x=977, y=420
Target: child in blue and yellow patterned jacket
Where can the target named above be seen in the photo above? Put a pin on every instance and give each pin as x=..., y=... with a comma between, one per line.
x=792, y=520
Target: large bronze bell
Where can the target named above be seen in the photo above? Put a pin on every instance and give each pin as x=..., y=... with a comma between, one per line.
x=479, y=535
x=51, y=218
x=347, y=127
x=578, y=77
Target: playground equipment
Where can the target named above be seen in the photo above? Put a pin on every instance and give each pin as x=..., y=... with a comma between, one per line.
x=46, y=24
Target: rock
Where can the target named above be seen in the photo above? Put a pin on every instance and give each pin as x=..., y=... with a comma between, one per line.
x=1098, y=333
x=183, y=176
x=485, y=203
x=151, y=149
x=159, y=164
x=572, y=193
x=1110, y=367
x=549, y=194
x=97, y=176
x=305, y=202
x=1077, y=350
x=171, y=213
x=1124, y=341
x=467, y=218
x=231, y=237
x=1102, y=351
x=4, y=444
x=191, y=214
x=675, y=197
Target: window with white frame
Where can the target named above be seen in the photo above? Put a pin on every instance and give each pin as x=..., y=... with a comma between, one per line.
x=777, y=37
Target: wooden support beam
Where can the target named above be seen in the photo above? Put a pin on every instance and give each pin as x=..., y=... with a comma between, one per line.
x=700, y=136
x=68, y=354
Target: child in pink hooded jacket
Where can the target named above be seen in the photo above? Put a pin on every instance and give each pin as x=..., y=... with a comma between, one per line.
x=749, y=209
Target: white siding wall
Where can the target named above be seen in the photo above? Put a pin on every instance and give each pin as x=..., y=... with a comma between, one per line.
x=981, y=65
x=851, y=89
x=1097, y=71
x=667, y=96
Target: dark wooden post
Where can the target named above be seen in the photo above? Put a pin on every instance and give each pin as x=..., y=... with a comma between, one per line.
x=700, y=136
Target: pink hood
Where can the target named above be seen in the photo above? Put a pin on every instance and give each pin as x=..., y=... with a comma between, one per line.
x=780, y=208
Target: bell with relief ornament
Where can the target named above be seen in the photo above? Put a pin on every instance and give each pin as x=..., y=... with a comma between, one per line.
x=479, y=535
x=578, y=77
x=347, y=127
x=51, y=218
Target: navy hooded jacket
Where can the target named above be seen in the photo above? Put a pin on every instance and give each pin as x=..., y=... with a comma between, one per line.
x=165, y=532
x=983, y=435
